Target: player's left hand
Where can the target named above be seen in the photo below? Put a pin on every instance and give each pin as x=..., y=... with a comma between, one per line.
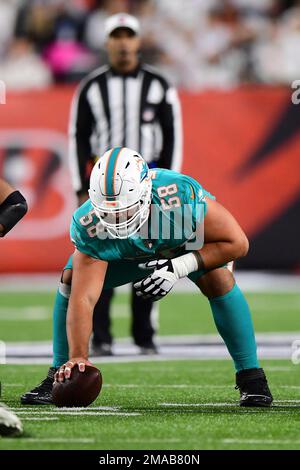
x=160, y=282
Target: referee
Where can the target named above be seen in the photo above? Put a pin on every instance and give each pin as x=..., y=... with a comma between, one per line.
x=124, y=103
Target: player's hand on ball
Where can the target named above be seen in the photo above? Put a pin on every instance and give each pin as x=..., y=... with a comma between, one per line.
x=65, y=371
x=160, y=282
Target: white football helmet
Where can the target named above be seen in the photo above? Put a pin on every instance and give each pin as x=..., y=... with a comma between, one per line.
x=120, y=191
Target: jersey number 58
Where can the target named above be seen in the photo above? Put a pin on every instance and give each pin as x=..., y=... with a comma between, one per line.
x=164, y=191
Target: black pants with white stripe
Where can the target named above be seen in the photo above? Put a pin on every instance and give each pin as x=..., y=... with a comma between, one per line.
x=141, y=328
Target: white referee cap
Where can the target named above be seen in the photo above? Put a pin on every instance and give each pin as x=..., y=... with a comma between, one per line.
x=121, y=20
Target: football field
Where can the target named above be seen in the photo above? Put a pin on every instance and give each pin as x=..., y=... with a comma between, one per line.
x=177, y=400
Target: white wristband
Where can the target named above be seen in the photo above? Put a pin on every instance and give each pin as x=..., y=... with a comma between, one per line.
x=185, y=264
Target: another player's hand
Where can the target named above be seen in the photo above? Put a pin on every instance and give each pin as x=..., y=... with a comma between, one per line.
x=160, y=282
x=64, y=372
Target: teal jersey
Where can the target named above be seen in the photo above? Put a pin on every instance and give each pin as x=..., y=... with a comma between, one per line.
x=178, y=205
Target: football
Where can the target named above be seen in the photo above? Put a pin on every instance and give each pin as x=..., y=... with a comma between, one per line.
x=80, y=390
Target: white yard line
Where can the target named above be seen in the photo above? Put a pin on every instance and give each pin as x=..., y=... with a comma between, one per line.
x=257, y=281
x=4, y=385
x=40, y=419
x=25, y=313
x=165, y=386
x=149, y=441
x=79, y=408
x=278, y=403
x=200, y=357
x=287, y=401
x=78, y=413
x=57, y=440
x=118, y=359
x=260, y=441
x=296, y=387
x=267, y=338
x=186, y=405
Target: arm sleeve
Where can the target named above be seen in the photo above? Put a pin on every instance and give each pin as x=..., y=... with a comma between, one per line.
x=80, y=130
x=171, y=127
x=12, y=210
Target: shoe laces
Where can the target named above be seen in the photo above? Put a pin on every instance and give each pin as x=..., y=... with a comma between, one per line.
x=44, y=385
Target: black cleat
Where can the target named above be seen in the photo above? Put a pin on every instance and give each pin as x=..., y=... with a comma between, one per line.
x=253, y=387
x=42, y=394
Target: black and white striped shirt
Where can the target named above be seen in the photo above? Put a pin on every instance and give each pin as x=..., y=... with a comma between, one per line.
x=139, y=110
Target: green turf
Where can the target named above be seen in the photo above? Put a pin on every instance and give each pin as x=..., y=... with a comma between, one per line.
x=143, y=388
x=179, y=314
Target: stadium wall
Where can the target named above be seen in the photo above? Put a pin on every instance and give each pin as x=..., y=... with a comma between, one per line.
x=242, y=145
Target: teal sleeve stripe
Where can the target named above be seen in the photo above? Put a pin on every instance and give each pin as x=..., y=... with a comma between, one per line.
x=110, y=171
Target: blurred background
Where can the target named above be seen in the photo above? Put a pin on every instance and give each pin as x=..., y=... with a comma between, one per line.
x=233, y=62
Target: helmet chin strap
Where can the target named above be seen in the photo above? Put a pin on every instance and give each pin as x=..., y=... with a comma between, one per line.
x=116, y=232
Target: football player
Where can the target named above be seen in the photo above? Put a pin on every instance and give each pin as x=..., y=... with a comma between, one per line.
x=12, y=208
x=120, y=236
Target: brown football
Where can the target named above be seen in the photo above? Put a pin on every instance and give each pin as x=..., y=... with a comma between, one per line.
x=80, y=390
